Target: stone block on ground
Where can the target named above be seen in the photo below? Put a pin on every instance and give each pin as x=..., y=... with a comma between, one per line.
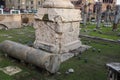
x=40, y=58
x=11, y=70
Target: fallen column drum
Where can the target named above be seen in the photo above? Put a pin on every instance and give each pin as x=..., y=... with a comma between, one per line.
x=40, y=58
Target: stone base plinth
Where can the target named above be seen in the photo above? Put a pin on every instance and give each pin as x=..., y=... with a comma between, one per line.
x=73, y=53
x=57, y=30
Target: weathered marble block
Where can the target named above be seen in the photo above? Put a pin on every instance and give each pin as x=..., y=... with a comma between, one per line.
x=57, y=29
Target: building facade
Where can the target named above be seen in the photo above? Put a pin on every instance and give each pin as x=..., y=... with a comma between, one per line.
x=22, y=4
x=112, y=3
x=35, y=4
x=80, y=3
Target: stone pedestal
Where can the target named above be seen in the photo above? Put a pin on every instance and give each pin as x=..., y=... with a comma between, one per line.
x=57, y=27
x=113, y=71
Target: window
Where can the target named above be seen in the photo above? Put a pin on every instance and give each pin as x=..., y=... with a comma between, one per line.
x=27, y=7
x=31, y=2
x=18, y=7
x=107, y=1
x=38, y=2
x=111, y=1
x=32, y=7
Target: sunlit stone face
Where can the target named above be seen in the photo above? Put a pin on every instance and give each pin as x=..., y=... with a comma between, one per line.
x=58, y=4
x=57, y=27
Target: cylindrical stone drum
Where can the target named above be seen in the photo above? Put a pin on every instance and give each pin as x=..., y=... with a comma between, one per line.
x=46, y=60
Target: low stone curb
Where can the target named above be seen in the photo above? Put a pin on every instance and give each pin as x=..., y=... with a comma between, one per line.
x=100, y=39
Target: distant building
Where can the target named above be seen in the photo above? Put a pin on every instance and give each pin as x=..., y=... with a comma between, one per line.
x=79, y=3
x=35, y=4
x=112, y=3
x=22, y=4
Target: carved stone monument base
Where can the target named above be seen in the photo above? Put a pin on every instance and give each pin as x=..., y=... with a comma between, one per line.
x=57, y=27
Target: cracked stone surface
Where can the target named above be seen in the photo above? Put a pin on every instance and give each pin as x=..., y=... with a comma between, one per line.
x=57, y=27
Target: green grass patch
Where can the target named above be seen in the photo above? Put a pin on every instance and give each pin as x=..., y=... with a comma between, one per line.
x=23, y=35
x=94, y=69
x=103, y=32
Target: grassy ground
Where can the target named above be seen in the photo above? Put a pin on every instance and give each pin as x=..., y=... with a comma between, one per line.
x=104, y=32
x=93, y=69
